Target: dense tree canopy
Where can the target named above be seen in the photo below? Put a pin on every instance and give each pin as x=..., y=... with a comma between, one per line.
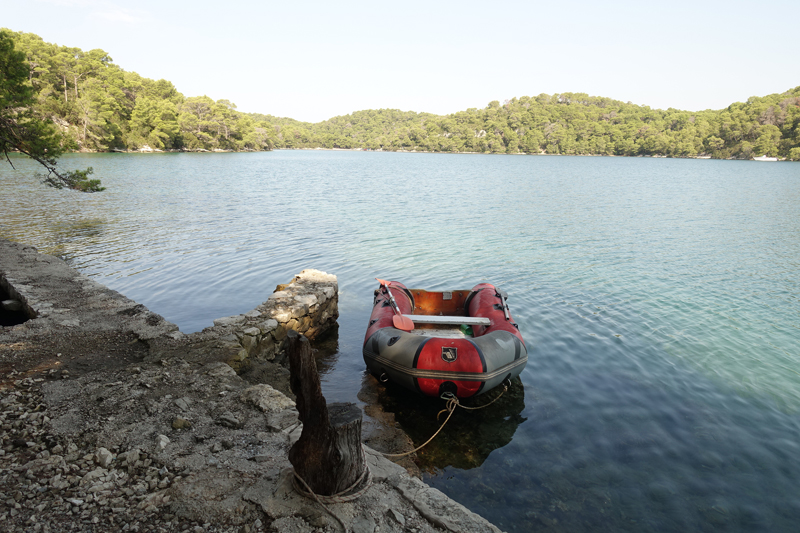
x=23, y=130
x=98, y=106
x=567, y=123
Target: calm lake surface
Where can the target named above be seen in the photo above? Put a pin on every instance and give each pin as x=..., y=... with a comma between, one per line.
x=659, y=298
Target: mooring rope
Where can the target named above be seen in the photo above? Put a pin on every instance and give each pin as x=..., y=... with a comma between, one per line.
x=452, y=403
x=341, y=496
x=345, y=495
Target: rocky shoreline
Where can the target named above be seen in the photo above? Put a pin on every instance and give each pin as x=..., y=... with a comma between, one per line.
x=113, y=419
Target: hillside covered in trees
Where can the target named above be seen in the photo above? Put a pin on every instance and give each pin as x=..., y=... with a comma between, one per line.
x=566, y=123
x=103, y=107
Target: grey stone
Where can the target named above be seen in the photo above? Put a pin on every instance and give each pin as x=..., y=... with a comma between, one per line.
x=266, y=398
x=161, y=442
x=229, y=320
x=132, y=457
x=219, y=369
x=248, y=343
x=182, y=404
x=306, y=300
x=397, y=516
x=103, y=457
x=281, y=420
x=363, y=524
x=277, y=295
x=268, y=325
x=228, y=420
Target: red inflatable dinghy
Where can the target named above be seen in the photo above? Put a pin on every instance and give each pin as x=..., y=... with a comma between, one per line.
x=462, y=342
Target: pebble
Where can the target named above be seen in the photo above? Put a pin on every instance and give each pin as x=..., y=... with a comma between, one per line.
x=50, y=484
x=181, y=423
x=399, y=517
x=161, y=442
x=228, y=420
x=104, y=457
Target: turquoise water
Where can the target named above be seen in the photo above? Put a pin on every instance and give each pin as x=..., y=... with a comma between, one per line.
x=659, y=299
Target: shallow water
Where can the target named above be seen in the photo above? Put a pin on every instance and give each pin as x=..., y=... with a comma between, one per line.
x=659, y=299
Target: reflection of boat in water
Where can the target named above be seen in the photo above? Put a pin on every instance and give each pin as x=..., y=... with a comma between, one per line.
x=469, y=436
x=765, y=158
x=434, y=342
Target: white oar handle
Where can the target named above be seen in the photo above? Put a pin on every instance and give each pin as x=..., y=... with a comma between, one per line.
x=392, y=300
x=502, y=295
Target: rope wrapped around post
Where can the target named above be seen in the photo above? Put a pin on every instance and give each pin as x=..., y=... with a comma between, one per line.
x=328, y=459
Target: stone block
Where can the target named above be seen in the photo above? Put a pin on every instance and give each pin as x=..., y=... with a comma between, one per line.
x=304, y=323
x=279, y=333
x=229, y=320
x=298, y=310
x=240, y=356
x=280, y=294
x=227, y=350
x=268, y=326
x=249, y=342
x=282, y=314
x=265, y=349
x=306, y=300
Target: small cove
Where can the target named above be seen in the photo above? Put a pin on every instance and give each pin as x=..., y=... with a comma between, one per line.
x=659, y=300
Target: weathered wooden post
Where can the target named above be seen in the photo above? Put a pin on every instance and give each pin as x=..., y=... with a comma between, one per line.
x=329, y=456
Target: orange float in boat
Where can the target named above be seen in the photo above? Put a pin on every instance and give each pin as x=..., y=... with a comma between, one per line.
x=462, y=342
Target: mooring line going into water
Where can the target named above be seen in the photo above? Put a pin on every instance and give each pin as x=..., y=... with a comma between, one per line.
x=343, y=496
x=452, y=403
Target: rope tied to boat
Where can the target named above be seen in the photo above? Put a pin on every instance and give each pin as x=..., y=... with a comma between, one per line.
x=452, y=404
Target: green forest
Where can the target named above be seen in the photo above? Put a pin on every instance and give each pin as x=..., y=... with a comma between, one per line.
x=103, y=108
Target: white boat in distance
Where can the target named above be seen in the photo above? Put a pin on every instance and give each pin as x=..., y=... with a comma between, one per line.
x=765, y=158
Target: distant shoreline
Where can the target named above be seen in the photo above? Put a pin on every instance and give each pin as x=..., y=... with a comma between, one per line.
x=187, y=151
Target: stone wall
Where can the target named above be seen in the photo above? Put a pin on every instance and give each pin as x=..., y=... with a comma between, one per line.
x=74, y=315
x=309, y=304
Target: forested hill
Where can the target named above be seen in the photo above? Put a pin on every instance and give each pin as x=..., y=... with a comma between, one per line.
x=565, y=123
x=103, y=107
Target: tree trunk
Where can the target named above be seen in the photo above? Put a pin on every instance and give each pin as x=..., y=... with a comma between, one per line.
x=329, y=456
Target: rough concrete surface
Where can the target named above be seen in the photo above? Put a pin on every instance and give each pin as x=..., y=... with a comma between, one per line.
x=113, y=419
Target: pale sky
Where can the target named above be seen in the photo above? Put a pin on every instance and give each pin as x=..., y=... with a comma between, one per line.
x=312, y=60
